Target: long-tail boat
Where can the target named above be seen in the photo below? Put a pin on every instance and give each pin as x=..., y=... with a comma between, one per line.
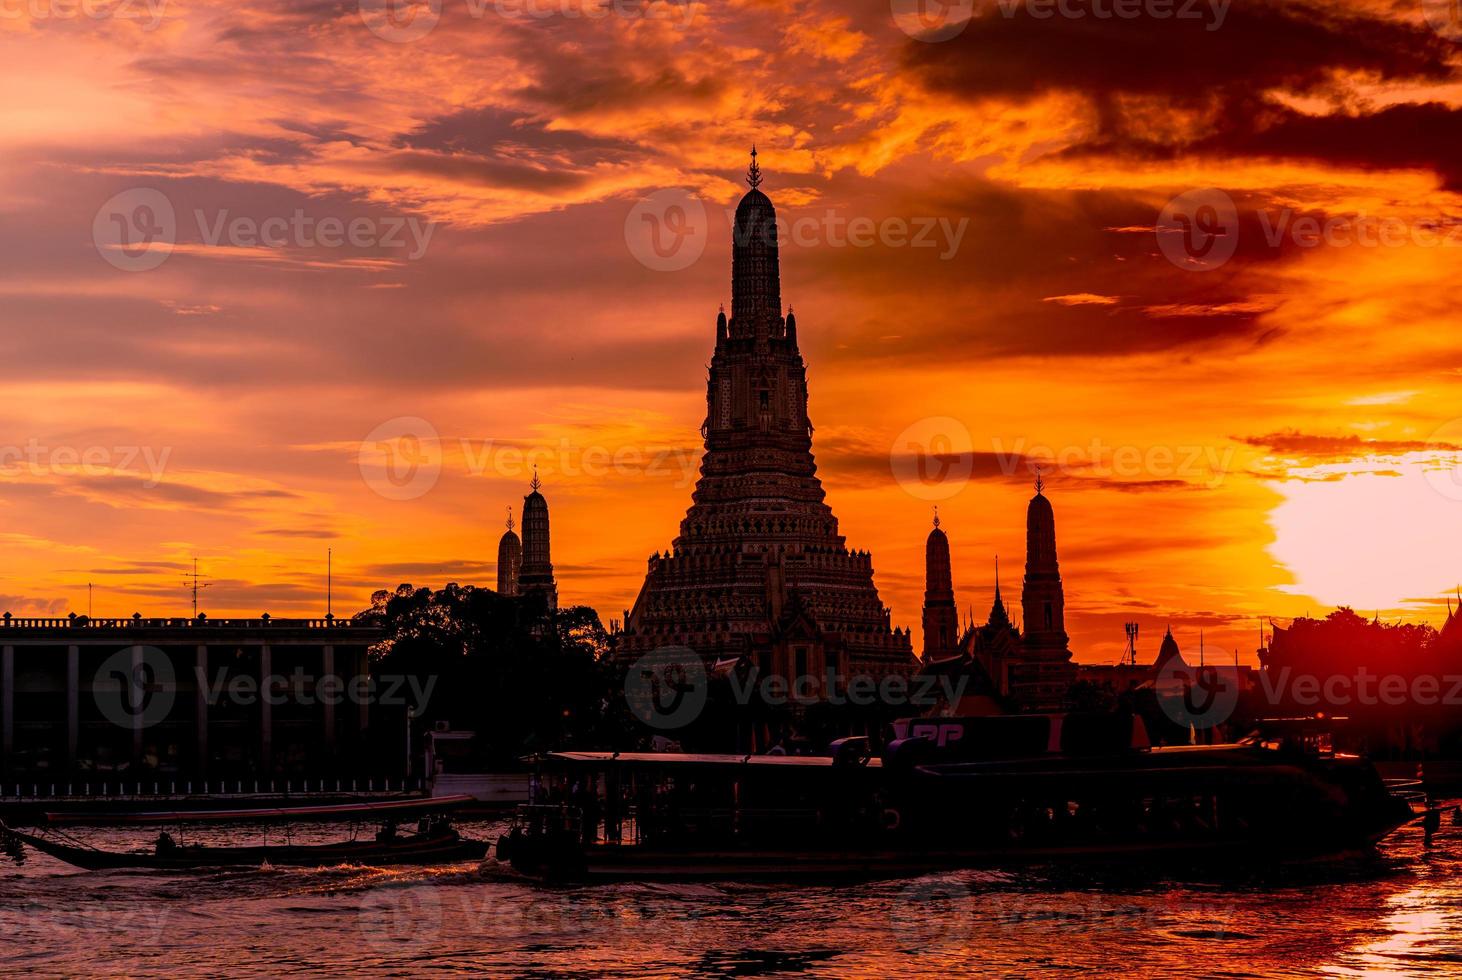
x=436, y=842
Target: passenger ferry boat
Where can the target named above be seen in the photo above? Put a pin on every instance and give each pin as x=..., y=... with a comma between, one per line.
x=951, y=793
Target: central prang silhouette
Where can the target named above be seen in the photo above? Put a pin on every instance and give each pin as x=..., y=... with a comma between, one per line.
x=759, y=570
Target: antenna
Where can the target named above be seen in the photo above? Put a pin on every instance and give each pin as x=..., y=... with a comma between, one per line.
x=1132, y=630
x=329, y=582
x=88, y=601
x=192, y=581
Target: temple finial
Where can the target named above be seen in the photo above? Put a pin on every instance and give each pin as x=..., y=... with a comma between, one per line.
x=510, y=518
x=936, y=515
x=1040, y=482
x=753, y=176
x=997, y=576
x=536, y=484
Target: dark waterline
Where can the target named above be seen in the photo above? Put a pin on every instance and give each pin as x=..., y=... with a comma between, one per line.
x=1398, y=914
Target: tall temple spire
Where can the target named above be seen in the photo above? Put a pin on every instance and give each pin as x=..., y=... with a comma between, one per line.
x=509, y=560
x=756, y=279
x=1043, y=599
x=535, y=577
x=941, y=615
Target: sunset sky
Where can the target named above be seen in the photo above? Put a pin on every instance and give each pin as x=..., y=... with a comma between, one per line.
x=1265, y=435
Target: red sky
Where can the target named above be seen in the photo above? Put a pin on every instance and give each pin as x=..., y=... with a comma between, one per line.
x=1269, y=434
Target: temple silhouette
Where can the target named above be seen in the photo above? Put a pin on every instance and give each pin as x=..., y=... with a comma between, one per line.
x=759, y=572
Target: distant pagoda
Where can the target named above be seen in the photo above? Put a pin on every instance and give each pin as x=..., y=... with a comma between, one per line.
x=759, y=570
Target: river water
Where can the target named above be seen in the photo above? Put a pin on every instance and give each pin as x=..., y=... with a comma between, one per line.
x=1399, y=914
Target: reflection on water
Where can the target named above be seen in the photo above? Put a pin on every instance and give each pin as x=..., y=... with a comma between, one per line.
x=1398, y=914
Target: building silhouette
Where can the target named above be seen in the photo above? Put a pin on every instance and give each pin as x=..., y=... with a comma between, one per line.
x=941, y=617
x=535, y=575
x=1007, y=669
x=759, y=572
x=509, y=559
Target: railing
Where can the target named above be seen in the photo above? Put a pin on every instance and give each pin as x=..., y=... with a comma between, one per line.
x=202, y=622
x=213, y=788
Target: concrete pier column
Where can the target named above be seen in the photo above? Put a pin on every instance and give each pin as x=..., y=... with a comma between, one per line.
x=266, y=711
x=328, y=689
x=359, y=681
x=200, y=708
x=137, y=676
x=7, y=706
x=73, y=704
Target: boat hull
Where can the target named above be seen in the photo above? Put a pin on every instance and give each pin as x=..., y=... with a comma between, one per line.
x=414, y=850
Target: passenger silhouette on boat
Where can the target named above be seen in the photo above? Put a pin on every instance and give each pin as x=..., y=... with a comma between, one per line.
x=387, y=834
x=165, y=843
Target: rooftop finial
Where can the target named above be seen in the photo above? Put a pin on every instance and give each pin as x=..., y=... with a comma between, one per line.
x=1040, y=482
x=536, y=482
x=997, y=576
x=510, y=517
x=753, y=176
x=936, y=515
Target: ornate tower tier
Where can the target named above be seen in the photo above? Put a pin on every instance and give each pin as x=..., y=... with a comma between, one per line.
x=759, y=568
x=535, y=577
